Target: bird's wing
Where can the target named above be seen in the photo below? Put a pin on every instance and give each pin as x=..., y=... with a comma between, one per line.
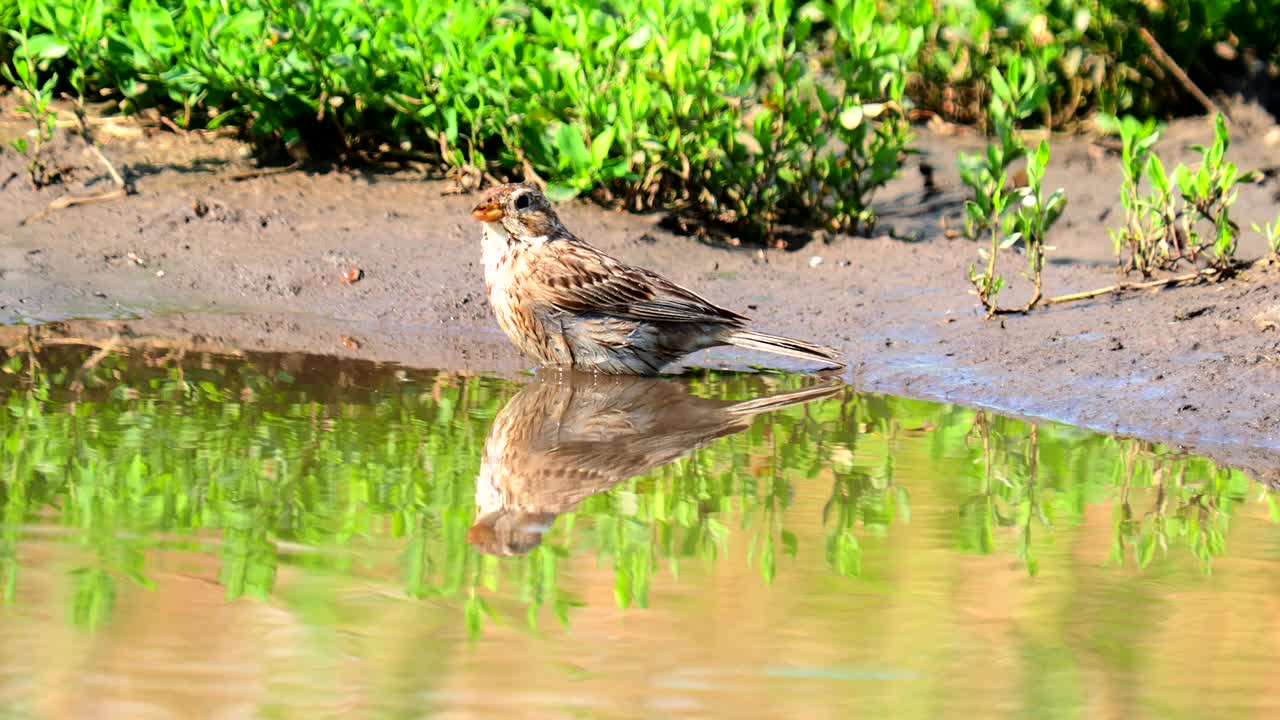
x=579, y=279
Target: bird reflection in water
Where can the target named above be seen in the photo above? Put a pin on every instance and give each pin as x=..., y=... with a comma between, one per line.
x=568, y=436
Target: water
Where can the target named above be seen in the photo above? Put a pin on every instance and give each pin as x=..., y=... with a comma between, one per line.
x=289, y=536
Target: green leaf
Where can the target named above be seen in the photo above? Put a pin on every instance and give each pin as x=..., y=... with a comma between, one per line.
x=240, y=25
x=975, y=211
x=1155, y=171
x=995, y=159
x=93, y=24
x=601, y=145
x=851, y=117
x=1182, y=177
x=1054, y=206
x=568, y=141
x=1108, y=124
x=560, y=192
x=46, y=46
x=1041, y=157
x=1221, y=136
x=46, y=90
x=1146, y=549
x=1000, y=87
x=638, y=39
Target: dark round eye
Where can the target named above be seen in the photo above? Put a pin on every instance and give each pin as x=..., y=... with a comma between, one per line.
x=523, y=202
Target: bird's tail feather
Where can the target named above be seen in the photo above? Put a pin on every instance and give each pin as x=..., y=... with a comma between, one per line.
x=784, y=346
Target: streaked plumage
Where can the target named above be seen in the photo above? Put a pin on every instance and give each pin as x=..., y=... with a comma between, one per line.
x=564, y=303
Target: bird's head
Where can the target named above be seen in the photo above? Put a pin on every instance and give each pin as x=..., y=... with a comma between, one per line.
x=506, y=534
x=522, y=211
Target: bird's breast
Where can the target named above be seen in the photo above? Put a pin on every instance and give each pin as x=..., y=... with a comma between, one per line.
x=495, y=244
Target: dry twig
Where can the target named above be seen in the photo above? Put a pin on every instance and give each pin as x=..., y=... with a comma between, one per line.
x=1121, y=287
x=262, y=172
x=1167, y=61
x=1192, y=277
x=86, y=134
x=67, y=201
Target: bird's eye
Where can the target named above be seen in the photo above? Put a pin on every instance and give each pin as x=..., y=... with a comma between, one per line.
x=523, y=202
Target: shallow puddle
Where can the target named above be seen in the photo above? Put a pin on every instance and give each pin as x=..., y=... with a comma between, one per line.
x=297, y=536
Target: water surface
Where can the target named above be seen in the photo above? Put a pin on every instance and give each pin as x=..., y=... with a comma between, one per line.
x=193, y=535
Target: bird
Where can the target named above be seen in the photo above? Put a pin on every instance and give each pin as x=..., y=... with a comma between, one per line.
x=569, y=435
x=565, y=303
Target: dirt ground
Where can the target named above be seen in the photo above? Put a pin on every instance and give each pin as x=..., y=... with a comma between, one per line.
x=257, y=264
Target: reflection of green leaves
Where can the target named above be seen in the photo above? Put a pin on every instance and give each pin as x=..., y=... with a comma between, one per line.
x=473, y=612
x=861, y=499
x=790, y=545
x=1023, y=477
x=1146, y=549
x=272, y=463
x=249, y=561
x=1196, y=512
x=844, y=554
x=93, y=597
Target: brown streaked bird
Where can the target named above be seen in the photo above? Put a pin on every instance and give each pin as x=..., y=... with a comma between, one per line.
x=571, y=435
x=565, y=303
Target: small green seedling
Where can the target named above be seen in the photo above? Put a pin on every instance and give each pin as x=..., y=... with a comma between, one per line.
x=1034, y=216
x=999, y=211
x=1146, y=217
x=77, y=32
x=23, y=72
x=1271, y=233
x=1166, y=226
x=1210, y=192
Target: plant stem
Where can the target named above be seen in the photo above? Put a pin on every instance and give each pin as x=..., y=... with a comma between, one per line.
x=1035, y=299
x=990, y=302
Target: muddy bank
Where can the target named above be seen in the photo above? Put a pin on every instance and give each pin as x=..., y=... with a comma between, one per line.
x=258, y=263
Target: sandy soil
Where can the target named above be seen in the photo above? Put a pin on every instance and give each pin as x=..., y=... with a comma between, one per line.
x=257, y=264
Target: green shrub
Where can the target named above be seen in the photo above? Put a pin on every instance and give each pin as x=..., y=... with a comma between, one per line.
x=965, y=40
x=1088, y=54
x=754, y=112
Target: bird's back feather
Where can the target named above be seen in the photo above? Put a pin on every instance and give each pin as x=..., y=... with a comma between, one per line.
x=577, y=278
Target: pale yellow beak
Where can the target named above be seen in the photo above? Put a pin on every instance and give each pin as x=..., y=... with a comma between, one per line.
x=487, y=212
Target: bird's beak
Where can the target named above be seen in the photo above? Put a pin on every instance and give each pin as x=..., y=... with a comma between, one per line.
x=487, y=212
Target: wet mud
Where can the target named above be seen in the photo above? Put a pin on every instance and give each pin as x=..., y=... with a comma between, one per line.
x=207, y=258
